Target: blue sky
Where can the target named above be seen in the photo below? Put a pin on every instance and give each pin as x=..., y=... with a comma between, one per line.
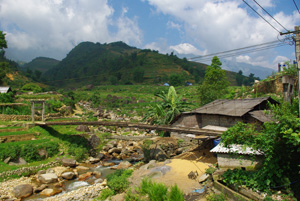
x=52, y=28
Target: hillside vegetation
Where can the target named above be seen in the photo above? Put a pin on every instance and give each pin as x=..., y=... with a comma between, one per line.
x=117, y=63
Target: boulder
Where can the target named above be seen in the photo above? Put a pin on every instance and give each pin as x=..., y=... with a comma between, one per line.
x=43, y=153
x=48, y=178
x=94, y=160
x=203, y=177
x=60, y=170
x=107, y=164
x=50, y=192
x=94, y=141
x=68, y=175
x=97, y=174
x=40, y=188
x=84, y=176
x=19, y=161
x=124, y=165
x=23, y=191
x=157, y=153
x=83, y=128
x=100, y=156
x=98, y=181
x=6, y=161
x=115, y=150
x=81, y=168
x=68, y=162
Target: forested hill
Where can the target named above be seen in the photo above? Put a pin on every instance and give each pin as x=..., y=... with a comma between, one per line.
x=41, y=64
x=118, y=63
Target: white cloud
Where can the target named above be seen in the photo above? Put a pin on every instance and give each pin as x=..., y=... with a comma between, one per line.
x=53, y=27
x=220, y=25
x=173, y=25
x=186, y=48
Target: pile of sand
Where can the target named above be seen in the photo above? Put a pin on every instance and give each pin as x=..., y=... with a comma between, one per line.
x=178, y=174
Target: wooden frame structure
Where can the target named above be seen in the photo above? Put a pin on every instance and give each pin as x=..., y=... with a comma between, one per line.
x=37, y=104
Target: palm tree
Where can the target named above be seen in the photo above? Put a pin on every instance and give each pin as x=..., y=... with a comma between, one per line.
x=166, y=110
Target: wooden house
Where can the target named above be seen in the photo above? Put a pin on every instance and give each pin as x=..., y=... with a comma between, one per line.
x=222, y=114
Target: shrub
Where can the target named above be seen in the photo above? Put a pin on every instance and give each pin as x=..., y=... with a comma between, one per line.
x=159, y=192
x=7, y=97
x=118, y=181
x=78, y=152
x=176, y=194
x=105, y=193
x=53, y=105
x=32, y=87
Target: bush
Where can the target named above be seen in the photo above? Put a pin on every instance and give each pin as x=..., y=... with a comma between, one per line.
x=7, y=97
x=105, y=193
x=28, y=151
x=53, y=105
x=159, y=192
x=176, y=194
x=118, y=181
x=32, y=87
x=78, y=152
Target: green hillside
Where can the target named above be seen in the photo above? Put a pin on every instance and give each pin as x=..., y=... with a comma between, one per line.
x=118, y=63
x=95, y=63
x=41, y=64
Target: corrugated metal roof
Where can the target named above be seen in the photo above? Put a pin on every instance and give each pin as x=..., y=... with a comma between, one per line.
x=4, y=89
x=237, y=107
x=236, y=148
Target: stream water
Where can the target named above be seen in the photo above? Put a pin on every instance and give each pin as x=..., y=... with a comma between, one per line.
x=74, y=184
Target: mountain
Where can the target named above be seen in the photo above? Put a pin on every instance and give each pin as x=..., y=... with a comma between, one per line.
x=118, y=63
x=258, y=71
x=41, y=64
x=234, y=66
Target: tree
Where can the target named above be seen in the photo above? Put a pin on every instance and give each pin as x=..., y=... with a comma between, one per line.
x=166, y=110
x=3, y=43
x=279, y=140
x=215, y=82
x=239, y=78
x=138, y=75
x=3, y=65
x=177, y=79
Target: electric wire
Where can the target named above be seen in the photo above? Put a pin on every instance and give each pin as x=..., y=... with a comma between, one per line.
x=270, y=15
x=248, y=47
x=244, y=50
x=296, y=6
x=261, y=16
x=232, y=54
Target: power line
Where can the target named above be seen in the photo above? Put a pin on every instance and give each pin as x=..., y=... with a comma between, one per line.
x=240, y=51
x=252, y=46
x=296, y=6
x=270, y=15
x=261, y=16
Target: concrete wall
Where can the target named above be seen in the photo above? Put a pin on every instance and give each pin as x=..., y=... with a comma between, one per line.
x=226, y=161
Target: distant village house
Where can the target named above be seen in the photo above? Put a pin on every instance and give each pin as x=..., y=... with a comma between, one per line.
x=4, y=89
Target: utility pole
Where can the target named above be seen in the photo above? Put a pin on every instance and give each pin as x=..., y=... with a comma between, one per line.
x=297, y=50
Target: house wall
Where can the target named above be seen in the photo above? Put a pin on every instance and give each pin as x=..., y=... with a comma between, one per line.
x=189, y=121
x=218, y=120
x=226, y=161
